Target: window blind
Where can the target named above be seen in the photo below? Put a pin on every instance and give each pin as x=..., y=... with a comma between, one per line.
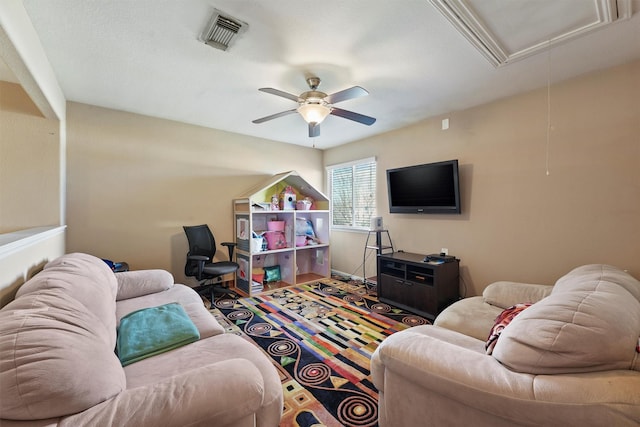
x=353, y=194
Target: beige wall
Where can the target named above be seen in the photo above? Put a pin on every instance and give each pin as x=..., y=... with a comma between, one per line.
x=29, y=163
x=134, y=181
x=517, y=222
x=30, y=186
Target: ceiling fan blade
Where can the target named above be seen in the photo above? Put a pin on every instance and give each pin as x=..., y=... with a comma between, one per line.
x=314, y=130
x=277, y=92
x=356, y=117
x=274, y=116
x=343, y=95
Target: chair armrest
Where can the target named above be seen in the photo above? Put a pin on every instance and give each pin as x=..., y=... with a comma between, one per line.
x=230, y=247
x=132, y=284
x=201, y=260
x=198, y=258
x=505, y=294
x=217, y=394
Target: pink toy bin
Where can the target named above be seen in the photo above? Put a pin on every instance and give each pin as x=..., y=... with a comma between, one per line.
x=275, y=225
x=275, y=240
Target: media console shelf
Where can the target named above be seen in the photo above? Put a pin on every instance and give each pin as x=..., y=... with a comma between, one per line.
x=407, y=282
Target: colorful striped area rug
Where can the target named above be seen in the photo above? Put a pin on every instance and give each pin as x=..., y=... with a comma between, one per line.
x=320, y=337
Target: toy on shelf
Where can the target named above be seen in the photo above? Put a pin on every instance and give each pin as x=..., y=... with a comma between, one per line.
x=288, y=199
x=275, y=206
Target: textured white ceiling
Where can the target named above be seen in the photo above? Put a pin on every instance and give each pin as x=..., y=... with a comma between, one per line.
x=143, y=56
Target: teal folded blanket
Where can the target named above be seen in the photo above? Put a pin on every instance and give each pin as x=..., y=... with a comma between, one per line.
x=154, y=330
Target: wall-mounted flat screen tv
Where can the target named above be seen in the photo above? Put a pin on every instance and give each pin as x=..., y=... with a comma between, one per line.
x=430, y=188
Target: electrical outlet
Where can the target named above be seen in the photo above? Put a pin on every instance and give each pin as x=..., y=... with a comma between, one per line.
x=444, y=251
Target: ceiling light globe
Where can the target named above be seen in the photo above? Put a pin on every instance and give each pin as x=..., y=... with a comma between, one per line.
x=314, y=113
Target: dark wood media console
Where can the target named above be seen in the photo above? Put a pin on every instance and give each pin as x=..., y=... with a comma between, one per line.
x=407, y=282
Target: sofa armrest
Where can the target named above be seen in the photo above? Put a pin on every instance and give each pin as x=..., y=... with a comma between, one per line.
x=445, y=363
x=132, y=284
x=469, y=316
x=506, y=294
x=223, y=393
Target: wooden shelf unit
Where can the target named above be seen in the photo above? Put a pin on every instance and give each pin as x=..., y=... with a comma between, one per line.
x=298, y=264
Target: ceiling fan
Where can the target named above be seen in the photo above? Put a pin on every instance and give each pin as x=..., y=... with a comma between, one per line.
x=314, y=106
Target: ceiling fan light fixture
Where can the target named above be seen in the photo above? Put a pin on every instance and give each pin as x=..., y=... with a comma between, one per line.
x=314, y=106
x=314, y=113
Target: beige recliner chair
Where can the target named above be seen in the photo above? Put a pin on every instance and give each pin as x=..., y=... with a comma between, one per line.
x=570, y=359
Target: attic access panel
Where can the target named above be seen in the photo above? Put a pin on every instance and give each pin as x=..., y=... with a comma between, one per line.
x=506, y=31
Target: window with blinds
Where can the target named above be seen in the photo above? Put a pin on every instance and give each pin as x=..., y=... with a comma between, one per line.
x=352, y=188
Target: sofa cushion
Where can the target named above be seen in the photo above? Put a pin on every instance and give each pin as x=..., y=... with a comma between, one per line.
x=186, y=297
x=211, y=351
x=55, y=357
x=578, y=328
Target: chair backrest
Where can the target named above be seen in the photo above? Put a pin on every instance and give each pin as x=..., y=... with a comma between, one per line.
x=201, y=242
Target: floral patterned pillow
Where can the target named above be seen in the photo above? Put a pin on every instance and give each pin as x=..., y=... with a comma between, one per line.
x=502, y=321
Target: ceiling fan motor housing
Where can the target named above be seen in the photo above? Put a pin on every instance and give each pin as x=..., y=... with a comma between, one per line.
x=313, y=97
x=313, y=82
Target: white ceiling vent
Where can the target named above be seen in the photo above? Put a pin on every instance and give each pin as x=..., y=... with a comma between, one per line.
x=506, y=31
x=222, y=30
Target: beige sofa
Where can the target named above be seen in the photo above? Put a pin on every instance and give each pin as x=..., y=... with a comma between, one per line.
x=570, y=359
x=58, y=366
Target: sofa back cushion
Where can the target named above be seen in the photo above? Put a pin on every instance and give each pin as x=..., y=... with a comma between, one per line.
x=86, y=279
x=587, y=276
x=55, y=357
x=589, y=323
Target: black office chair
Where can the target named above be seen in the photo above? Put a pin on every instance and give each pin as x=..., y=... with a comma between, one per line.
x=200, y=264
